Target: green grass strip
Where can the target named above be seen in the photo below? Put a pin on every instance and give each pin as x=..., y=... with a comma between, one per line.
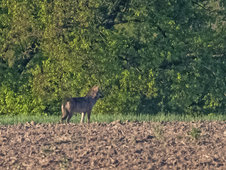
x=7, y=120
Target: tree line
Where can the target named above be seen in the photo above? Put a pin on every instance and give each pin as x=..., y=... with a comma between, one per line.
x=147, y=56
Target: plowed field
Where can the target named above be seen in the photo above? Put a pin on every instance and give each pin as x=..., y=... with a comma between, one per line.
x=129, y=145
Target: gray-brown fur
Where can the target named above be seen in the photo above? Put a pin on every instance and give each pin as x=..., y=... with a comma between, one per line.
x=82, y=105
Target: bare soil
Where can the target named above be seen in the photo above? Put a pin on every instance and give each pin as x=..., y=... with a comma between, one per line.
x=129, y=145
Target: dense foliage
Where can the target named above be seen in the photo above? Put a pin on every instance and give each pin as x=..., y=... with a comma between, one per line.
x=148, y=56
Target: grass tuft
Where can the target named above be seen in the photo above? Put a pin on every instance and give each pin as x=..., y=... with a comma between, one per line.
x=195, y=133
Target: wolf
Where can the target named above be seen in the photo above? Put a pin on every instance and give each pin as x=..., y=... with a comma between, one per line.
x=82, y=105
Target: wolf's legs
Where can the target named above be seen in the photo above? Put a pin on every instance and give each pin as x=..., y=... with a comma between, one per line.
x=69, y=117
x=63, y=117
x=88, y=115
x=83, y=117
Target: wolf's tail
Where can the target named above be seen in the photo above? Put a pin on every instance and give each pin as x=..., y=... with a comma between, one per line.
x=64, y=112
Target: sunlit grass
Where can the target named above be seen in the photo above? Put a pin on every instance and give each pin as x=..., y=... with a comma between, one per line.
x=5, y=120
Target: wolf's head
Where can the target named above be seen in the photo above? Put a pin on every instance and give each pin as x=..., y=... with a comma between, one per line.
x=95, y=92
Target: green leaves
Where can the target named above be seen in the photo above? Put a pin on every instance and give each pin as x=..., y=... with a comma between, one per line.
x=147, y=56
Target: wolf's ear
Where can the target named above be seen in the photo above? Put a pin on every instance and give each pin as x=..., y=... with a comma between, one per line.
x=95, y=88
